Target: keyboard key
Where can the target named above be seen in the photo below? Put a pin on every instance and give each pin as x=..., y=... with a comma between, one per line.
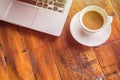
x=40, y=4
x=45, y=5
x=50, y=8
x=50, y=2
x=58, y=4
x=55, y=8
x=61, y=1
x=45, y=1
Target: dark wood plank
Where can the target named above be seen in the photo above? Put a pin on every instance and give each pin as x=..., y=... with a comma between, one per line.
x=17, y=59
x=78, y=62
x=109, y=58
x=44, y=66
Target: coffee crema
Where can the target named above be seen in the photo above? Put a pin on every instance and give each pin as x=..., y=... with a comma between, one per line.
x=93, y=20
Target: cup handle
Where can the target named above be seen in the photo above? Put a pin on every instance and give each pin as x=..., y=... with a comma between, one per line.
x=110, y=19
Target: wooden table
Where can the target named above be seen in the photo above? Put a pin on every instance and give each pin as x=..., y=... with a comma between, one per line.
x=30, y=55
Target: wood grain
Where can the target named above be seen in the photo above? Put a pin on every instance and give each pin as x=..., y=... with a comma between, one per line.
x=30, y=55
x=16, y=58
x=3, y=67
x=109, y=58
x=115, y=4
x=105, y=4
x=44, y=66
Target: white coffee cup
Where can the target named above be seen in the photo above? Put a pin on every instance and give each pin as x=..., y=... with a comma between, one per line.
x=106, y=19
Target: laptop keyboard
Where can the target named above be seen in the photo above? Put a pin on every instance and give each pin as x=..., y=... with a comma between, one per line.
x=55, y=5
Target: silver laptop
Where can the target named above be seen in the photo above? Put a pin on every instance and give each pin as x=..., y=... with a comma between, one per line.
x=47, y=16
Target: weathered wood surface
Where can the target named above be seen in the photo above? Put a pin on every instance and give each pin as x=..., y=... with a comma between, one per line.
x=30, y=55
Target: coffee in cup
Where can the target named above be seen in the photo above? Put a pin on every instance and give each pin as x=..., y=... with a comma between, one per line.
x=93, y=19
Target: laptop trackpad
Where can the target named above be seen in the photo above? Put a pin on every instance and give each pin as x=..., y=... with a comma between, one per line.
x=21, y=14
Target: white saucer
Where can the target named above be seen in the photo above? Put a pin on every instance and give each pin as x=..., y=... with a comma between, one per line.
x=88, y=40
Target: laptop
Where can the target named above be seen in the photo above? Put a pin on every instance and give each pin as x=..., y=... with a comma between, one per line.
x=46, y=16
